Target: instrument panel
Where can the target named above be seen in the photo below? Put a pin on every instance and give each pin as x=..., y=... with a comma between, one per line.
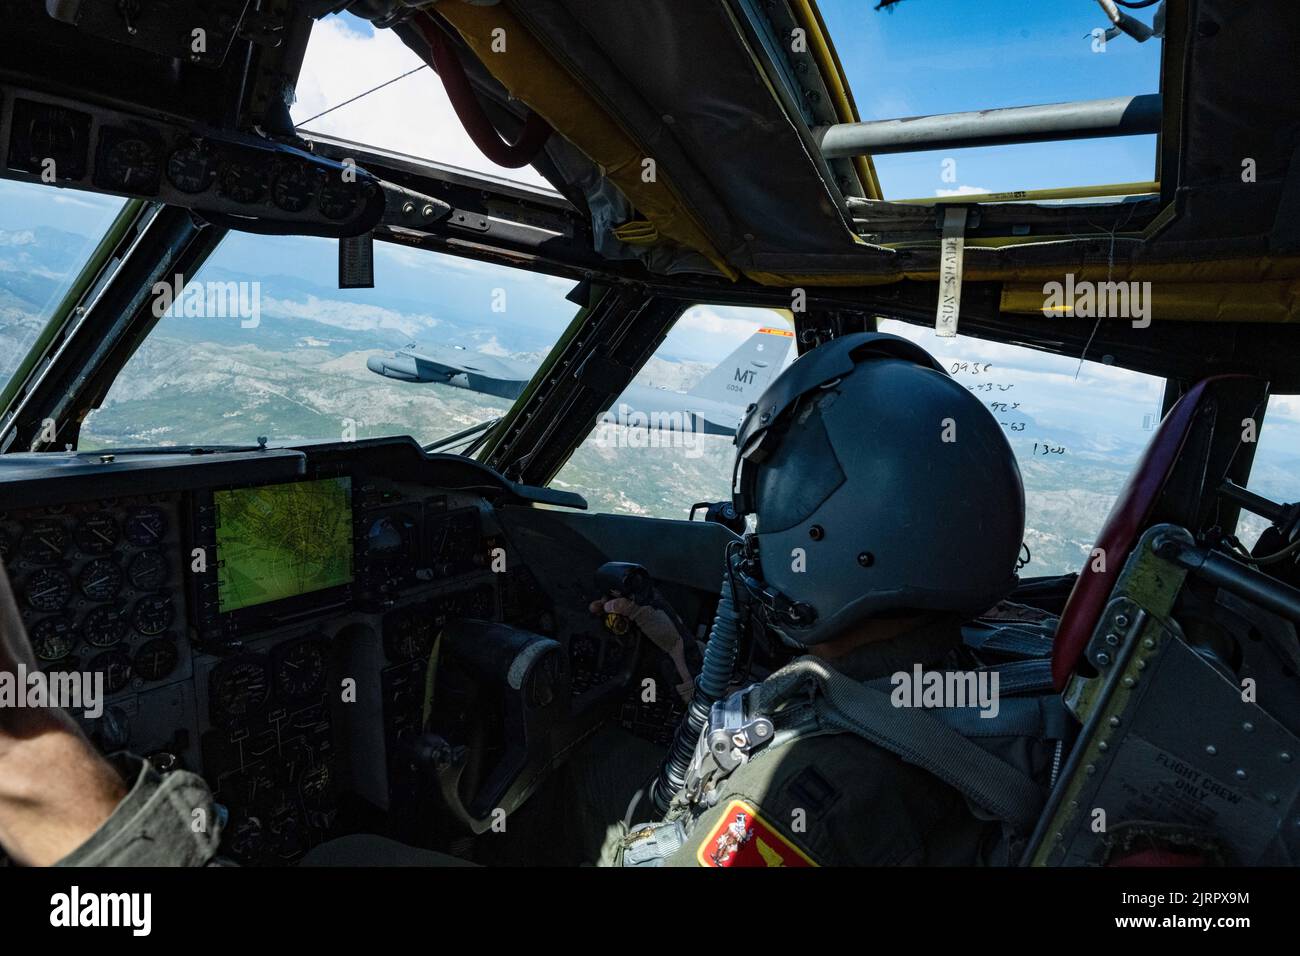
x=273, y=620
x=60, y=141
x=96, y=585
x=289, y=705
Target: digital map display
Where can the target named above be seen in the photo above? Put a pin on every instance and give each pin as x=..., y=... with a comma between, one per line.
x=279, y=541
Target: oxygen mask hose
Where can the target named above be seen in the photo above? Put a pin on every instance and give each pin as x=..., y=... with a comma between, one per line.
x=715, y=676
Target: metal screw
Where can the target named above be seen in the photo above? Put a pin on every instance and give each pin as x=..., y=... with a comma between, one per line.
x=866, y=559
x=1121, y=620
x=1211, y=749
x=1248, y=726
x=816, y=532
x=1112, y=640
x=1241, y=774
x=1102, y=658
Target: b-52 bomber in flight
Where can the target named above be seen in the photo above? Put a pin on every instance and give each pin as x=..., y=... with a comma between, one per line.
x=714, y=406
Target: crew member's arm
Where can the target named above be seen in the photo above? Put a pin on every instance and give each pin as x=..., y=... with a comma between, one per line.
x=55, y=789
x=61, y=802
x=660, y=629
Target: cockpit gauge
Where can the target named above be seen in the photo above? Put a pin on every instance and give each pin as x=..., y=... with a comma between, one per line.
x=48, y=589
x=49, y=138
x=408, y=635
x=100, y=579
x=115, y=665
x=130, y=164
x=156, y=659
x=294, y=187
x=300, y=668
x=243, y=181
x=147, y=570
x=337, y=199
x=314, y=784
x=389, y=536
x=96, y=533
x=44, y=541
x=153, y=614
x=104, y=626
x=191, y=169
x=146, y=527
x=53, y=638
x=240, y=687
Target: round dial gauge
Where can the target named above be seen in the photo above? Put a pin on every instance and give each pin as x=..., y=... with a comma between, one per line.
x=243, y=182
x=337, y=199
x=44, y=541
x=100, y=579
x=153, y=615
x=156, y=659
x=96, y=533
x=147, y=571
x=315, y=783
x=104, y=626
x=53, y=638
x=131, y=164
x=116, y=668
x=300, y=668
x=48, y=589
x=294, y=187
x=146, y=527
x=190, y=169
x=239, y=688
x=408, y=636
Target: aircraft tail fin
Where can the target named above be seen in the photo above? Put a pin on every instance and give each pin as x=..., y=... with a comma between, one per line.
x=741, y=377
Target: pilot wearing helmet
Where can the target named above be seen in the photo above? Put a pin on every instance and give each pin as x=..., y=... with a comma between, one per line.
x=889, y=509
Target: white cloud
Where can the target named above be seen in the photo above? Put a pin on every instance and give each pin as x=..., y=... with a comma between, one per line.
x=410, y=116
x=355, y=316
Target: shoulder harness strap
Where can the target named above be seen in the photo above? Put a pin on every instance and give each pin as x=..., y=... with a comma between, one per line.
x=916, y=735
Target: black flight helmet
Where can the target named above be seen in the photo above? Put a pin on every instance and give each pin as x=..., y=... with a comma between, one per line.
x=878, y=485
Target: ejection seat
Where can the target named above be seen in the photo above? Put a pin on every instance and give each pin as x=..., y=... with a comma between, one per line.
x=1179, y=660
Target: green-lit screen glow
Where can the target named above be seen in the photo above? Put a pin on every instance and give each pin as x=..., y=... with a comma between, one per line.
x=279, y=541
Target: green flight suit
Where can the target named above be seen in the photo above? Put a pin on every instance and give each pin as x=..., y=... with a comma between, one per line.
x=839, y=800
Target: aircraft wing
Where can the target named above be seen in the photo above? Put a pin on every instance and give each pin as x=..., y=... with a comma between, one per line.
x=460, y=368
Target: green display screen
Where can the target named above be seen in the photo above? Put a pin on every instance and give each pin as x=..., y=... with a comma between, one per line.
x=280, y=541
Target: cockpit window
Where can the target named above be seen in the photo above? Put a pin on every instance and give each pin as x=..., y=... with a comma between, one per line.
x=1274, y=471
x=666, y=443
x=1077, y=428
x=915, y=58
x=386, y=98
x=46, y=236
x=263, y=344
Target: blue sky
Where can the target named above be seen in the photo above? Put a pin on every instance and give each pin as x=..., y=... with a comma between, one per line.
x=943, y=56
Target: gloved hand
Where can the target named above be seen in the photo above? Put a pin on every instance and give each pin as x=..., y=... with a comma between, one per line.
x=660, y=628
